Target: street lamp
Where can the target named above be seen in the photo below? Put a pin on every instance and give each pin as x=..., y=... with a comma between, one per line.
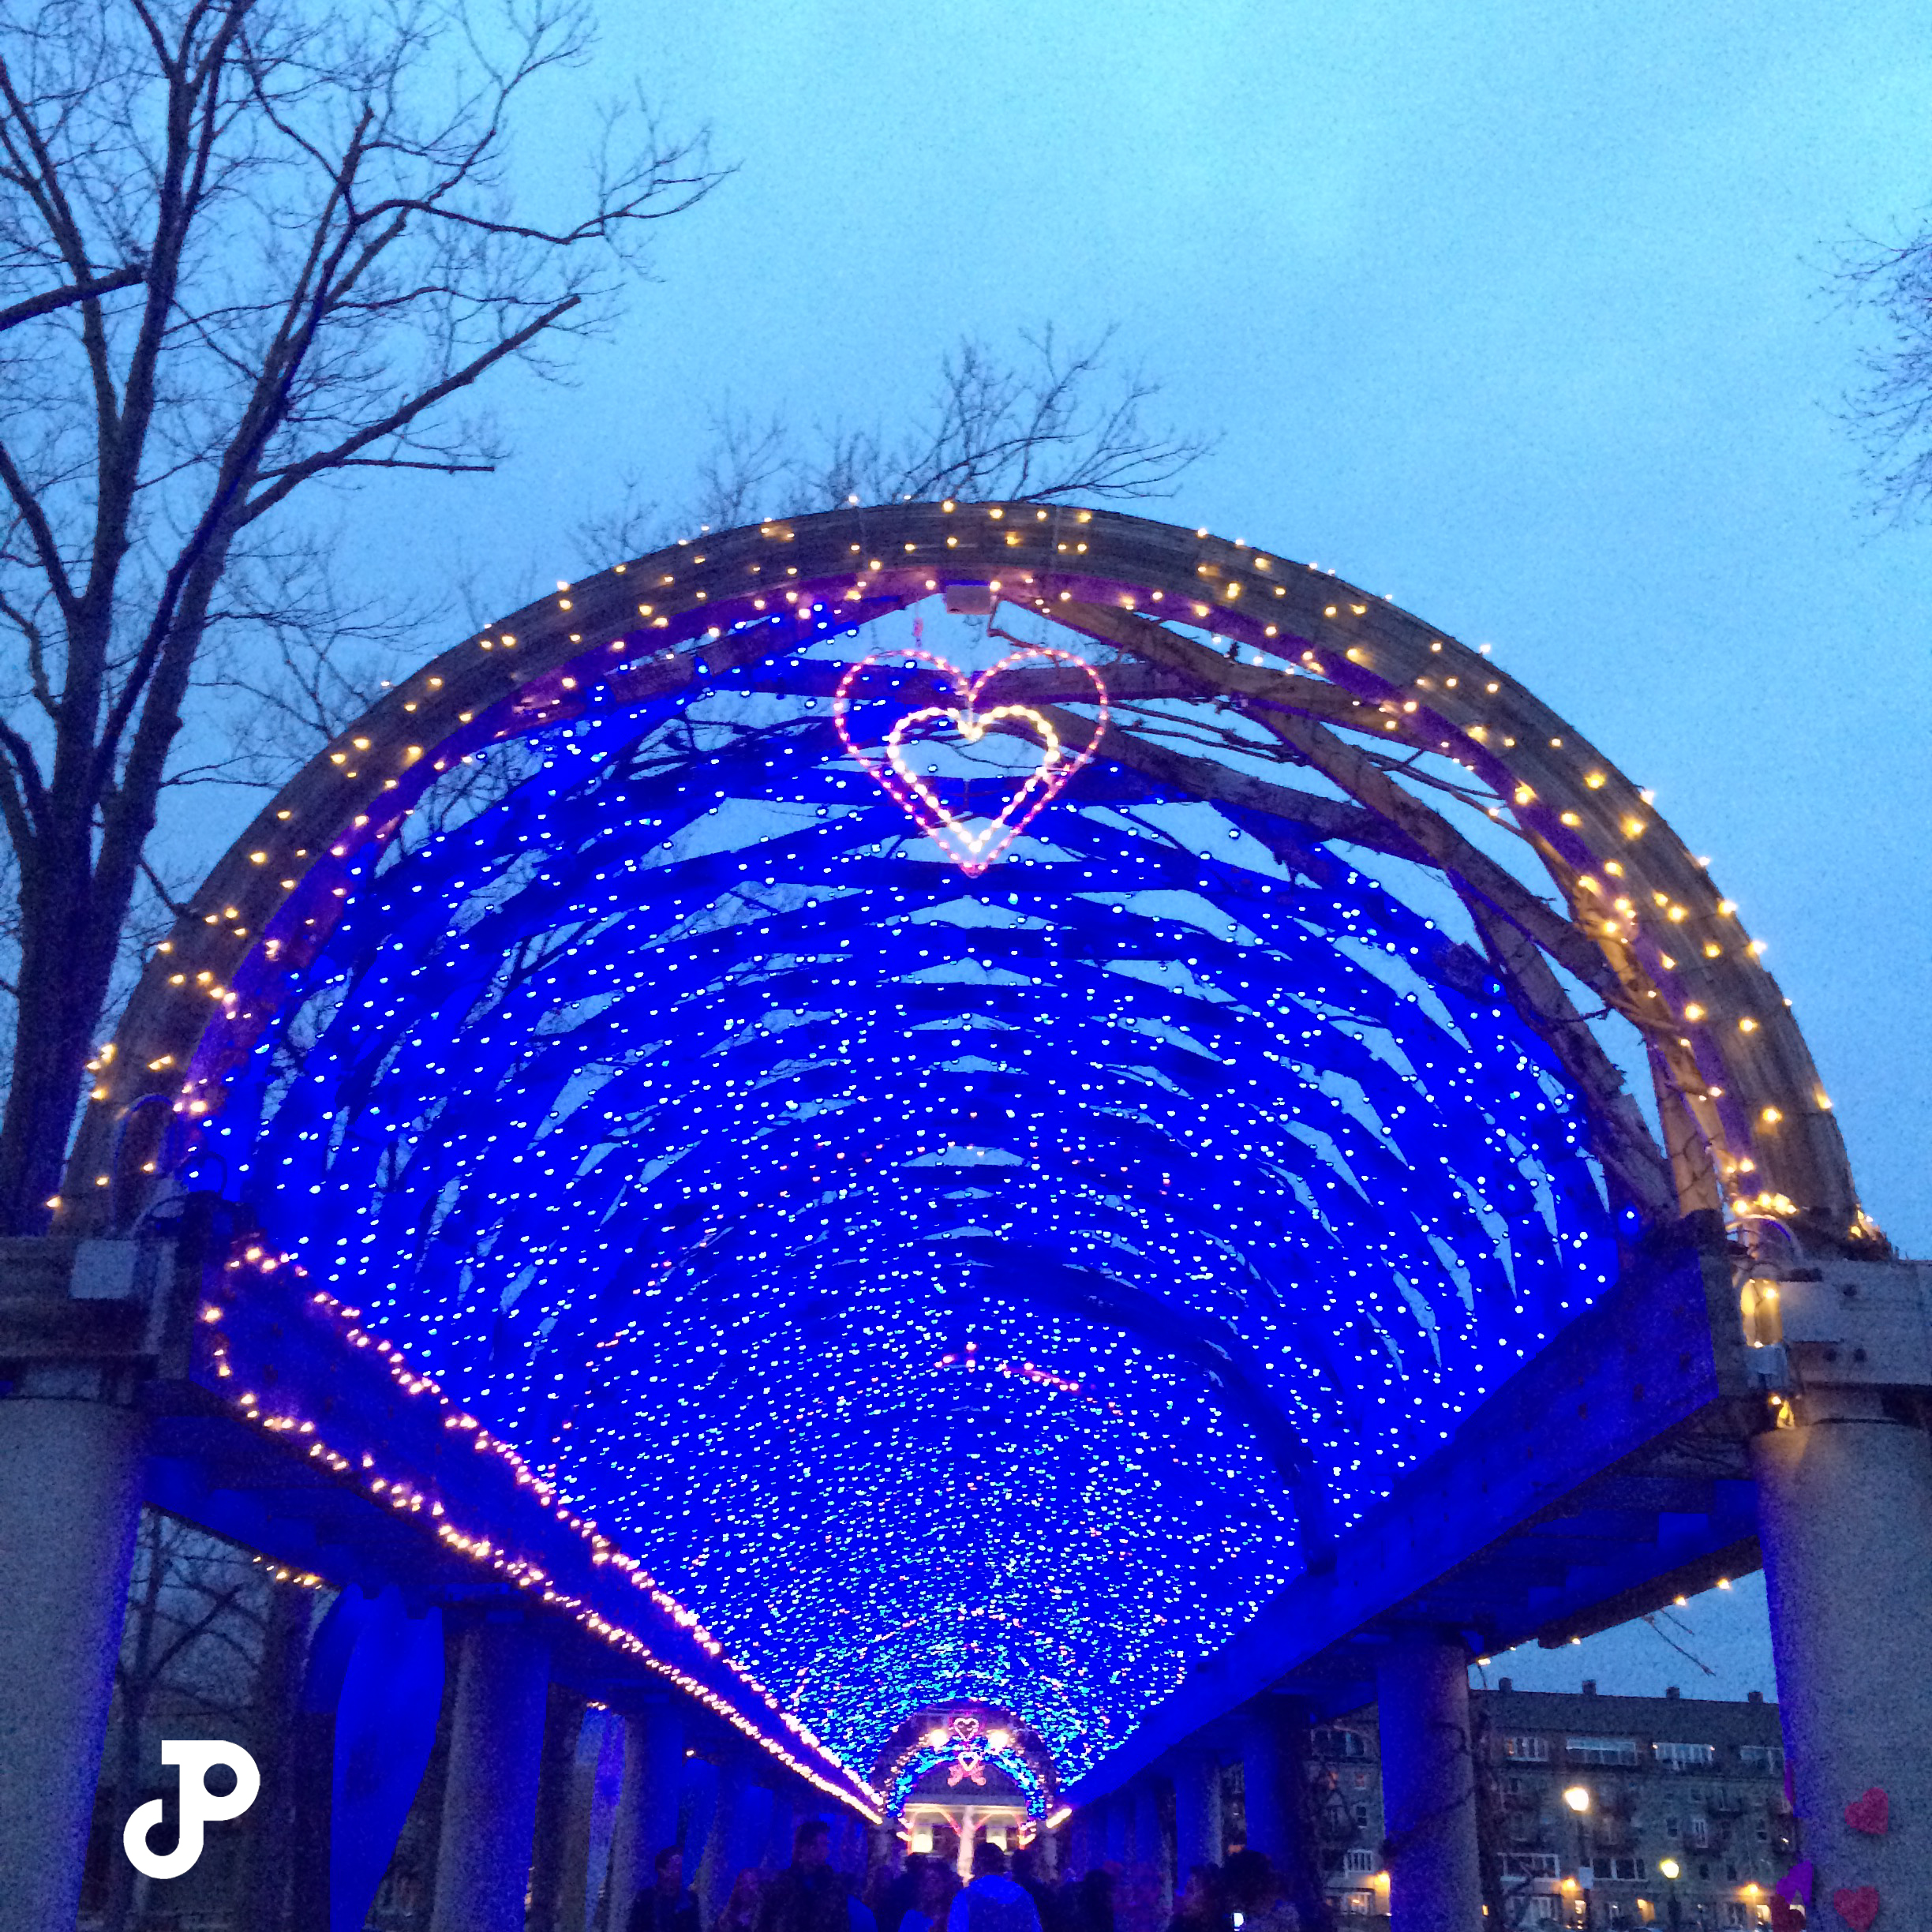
x=1671, y=1869
x=1578, y=1798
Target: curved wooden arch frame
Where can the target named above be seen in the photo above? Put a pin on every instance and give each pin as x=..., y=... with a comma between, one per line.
x=1748, y=1126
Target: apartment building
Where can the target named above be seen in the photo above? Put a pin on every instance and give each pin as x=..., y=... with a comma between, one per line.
x=1604, y=1813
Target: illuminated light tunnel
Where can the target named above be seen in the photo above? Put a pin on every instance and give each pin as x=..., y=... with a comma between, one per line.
x=984, y=1288
x=944, y=1287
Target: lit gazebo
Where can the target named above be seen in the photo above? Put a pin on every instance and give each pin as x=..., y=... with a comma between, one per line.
x=957, y=1774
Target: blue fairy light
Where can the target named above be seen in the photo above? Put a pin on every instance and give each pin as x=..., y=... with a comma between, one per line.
x=988, y=1289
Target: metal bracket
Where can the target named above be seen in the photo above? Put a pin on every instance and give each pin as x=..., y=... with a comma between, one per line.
x=1856, y=1324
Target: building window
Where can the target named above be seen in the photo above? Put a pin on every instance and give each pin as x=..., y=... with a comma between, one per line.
x=1362, y=1814
x=1631, y=1869
x=1700, y=1832
x=1766, y=1757
x=1542, y=1910
x=1360, y=1905
x=1360, y=1861
x=1672, y=1827
x=1530, y=1750
x=1332, y=1741
x=1686, y=1756
x=1361, y=1781
x=1530, y=1864
x=1602, y=1750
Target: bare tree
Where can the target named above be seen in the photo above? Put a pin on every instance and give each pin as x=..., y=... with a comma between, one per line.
x=214, y=1639
x=1891, y=415
x=1049, y=424
x=259, y=244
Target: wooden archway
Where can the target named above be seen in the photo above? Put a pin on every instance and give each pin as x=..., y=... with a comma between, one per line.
x=1334, y=676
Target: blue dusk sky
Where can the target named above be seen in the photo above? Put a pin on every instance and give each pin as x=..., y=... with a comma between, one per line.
x=1522, y=314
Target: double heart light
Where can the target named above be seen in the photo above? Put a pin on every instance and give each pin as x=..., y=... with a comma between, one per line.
x=889, y=767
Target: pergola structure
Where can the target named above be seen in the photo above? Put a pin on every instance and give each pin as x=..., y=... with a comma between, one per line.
x=980, y=1102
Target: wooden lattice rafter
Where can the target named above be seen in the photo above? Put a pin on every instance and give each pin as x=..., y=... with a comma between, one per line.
x=1641, y=924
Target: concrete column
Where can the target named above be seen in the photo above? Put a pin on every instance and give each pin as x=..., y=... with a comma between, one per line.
x=1268, y=1788
x=489, y=1798
x=1046, y=1855
x=554, y=1849
x=1150, y=1843
x=70, y=1474
x=647, y=1806
x=737, y=1833
x=582, y=1885
x=1844, y=1513
x=1080, y=1843
x=852, y=1836
x=1198, y=1839
x=1428, y=1786
x=784, y=1822
x=701, y=1805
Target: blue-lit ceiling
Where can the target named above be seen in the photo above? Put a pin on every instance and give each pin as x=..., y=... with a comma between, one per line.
x=952, y=1289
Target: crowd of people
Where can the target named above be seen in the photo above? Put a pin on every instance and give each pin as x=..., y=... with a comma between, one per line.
x=922, y=1893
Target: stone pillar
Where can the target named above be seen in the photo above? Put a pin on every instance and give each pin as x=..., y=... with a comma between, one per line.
x=647, y=1808
x=70, y=1476
x=490, y=1797
x=1844, y=1513
x=1429, y=1785
x=1198, y=1839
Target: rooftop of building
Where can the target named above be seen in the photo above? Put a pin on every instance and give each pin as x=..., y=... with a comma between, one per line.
x=1588, y=1713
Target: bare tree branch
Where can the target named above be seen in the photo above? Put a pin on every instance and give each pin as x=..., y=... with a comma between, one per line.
x=65, y=297
x=1890, y=417
x=1049, y=426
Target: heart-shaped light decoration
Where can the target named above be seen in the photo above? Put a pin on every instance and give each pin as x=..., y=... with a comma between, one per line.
x=1857, y=1905
x=972, y=851
x=1870, y=1815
